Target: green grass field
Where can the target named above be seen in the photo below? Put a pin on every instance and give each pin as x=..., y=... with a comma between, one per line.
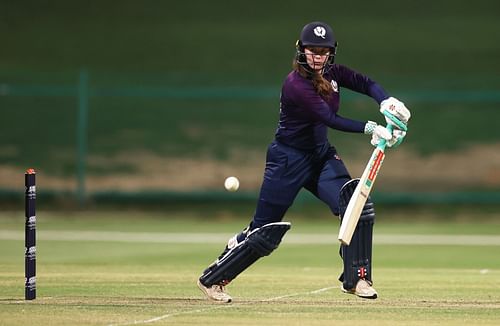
x=123, y=268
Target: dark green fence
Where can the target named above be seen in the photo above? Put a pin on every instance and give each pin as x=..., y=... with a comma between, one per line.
x=80, y=130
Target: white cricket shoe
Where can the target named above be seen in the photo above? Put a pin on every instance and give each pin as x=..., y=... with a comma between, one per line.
x=215, y=293
x=363, y=290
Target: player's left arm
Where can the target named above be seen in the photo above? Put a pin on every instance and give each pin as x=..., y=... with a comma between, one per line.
x=395, y=111
x=362, y=84
x=357, y=82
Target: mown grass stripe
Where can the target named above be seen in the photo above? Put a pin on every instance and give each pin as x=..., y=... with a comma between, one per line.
x=217, y=238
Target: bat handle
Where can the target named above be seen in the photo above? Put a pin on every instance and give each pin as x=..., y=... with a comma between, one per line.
x=396, y=121
x=382, y=143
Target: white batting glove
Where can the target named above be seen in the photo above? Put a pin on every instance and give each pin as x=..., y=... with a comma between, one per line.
x=378, y=132
x=397, y=138
x=397, y=109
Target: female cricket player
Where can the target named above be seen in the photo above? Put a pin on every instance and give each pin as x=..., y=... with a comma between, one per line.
x=301, y=156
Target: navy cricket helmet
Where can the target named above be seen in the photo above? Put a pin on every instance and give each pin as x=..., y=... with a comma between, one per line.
x=316, y=34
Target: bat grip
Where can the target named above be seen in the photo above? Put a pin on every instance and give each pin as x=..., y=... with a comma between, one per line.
x=396, y=121
x=382, y=143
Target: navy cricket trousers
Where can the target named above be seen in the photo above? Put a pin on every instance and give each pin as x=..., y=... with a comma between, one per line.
x=288, y=170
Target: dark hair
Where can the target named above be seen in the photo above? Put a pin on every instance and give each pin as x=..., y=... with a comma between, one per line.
x=320, y=84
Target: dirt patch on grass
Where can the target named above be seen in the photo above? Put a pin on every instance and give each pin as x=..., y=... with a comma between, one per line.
x=403, y=169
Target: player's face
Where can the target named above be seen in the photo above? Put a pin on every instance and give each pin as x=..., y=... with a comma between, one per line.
x=317, y=57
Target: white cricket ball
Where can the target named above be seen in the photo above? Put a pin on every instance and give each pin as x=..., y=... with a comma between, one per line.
x=232, y=184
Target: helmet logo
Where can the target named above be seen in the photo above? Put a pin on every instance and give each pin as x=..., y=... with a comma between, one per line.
x=320, y=31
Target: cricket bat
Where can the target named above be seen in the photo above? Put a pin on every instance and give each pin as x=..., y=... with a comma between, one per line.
x=361, y=193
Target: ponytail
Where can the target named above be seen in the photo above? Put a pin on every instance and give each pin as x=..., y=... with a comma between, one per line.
x=320, y=84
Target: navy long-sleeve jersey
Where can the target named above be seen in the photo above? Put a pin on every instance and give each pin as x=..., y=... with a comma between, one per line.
x=305, y=116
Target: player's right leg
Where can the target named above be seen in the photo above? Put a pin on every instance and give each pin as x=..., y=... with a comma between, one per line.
x=239, y=256
x=217, y=292
x=265, y=231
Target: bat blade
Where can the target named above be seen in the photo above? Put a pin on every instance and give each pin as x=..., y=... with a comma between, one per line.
x=360, y=195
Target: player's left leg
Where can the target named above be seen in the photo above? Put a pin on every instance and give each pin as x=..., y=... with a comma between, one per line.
x=330, y=188
x=332, y=174
x=357, y=276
